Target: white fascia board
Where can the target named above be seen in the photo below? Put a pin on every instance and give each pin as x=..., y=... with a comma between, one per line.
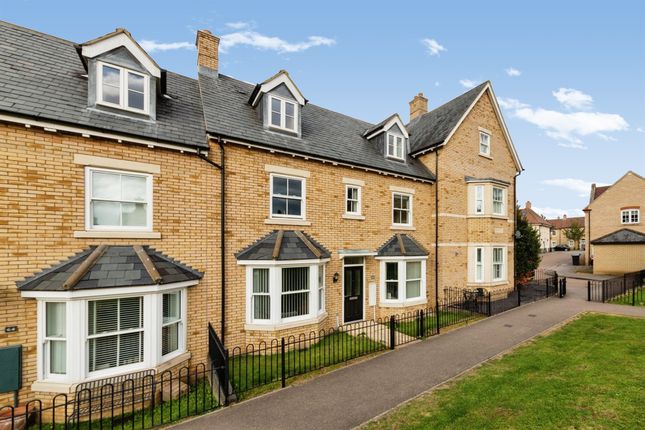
x=105, y=292
x=283, y=78
x=402, y=258
x=394, y=120
x=267, y=263
x=116, y=41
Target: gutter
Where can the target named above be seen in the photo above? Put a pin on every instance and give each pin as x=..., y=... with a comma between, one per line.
x=222, y=223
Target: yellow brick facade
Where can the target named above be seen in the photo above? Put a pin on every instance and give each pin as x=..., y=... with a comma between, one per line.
x=603, y=216
x=42, y=204
x=459, y=231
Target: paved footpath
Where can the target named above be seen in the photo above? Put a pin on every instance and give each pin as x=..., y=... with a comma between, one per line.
x=352, y=395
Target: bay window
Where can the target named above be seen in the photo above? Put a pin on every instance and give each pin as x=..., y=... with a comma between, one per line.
x=479, y=264
x=498, y=264
x=117, y=200
x=403, y=280
x=285, y=293
x=89, y=334
x=498, y=201
x=487, y=265
x=479, y=199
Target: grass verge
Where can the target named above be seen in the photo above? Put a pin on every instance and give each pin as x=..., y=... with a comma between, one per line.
x=589, y=374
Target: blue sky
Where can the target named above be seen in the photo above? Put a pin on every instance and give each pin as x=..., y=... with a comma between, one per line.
x=570, y=75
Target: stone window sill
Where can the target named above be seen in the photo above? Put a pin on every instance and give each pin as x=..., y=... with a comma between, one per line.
x=287, y=221
x=287, y=325
x=99, y=234
x=402, y=227
x=356, y=217
x=412, y=302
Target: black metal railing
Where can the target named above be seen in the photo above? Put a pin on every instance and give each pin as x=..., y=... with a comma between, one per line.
x=136, y=402
x=628, y=289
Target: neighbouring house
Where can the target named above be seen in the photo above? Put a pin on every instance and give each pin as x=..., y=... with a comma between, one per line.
x=559, y=228
x=142, y=205
x=540, y=225
x=614, y=227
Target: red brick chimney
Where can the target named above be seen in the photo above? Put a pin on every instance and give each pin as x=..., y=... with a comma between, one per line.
x=418, y=106
x=207, y=50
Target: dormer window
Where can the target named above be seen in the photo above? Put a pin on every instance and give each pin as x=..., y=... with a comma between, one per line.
x=394, y=146
x=122, y=88
x=283, y=114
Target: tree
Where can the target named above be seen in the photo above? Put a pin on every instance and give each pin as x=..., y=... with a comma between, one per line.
x=576, y=232
x=527, y=250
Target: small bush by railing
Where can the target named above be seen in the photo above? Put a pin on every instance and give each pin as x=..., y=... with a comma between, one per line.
x=627, y=289
x=131, y=403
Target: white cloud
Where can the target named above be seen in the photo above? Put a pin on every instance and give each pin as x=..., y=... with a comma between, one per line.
x=151, y=46
x=467, y=83
x=239, y=25
x=580, y=187
x=512, y=71
x=573, y=99
x=552, y=213
x=640, y=130
x=433, y=47
x=569, y=127
x=260, y=41
x=436, y=84
x=508, y=103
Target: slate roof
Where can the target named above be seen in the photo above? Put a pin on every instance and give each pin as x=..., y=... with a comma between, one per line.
x=433, y=128
x=623, y=236
x=559, y=223
x=392, y=248
x=118, y=266
x=326, y=134
x=41, y=76
x=291, y=247
x=534, y=218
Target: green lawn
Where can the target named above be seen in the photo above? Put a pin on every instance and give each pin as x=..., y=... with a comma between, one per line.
x=626, y=299
x=589, y=374
x=250, y=371
x=446, y=318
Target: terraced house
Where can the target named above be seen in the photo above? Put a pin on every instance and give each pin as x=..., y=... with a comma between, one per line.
x=139, y=205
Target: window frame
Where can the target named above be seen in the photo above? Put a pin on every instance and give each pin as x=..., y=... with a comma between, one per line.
x=46, y=344
x=123, y=88
x=275, y=293
x=302, y=198
x=479, y=264
x=77, y=330
x=409, y=210
x=321, y=288
x=402, y=280
x=283, y=114
x=181, y=323
x=487, y=145
x=630, y=213
x=396, y=145
x=501, y=263
x=501, y=202
x=479, y=198
x=358, y=200
x=89, y=224
x=255, y=294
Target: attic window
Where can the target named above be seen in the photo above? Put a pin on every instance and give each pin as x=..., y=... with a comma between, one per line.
x=283, y=114
x=122, y=88
x=394, y=146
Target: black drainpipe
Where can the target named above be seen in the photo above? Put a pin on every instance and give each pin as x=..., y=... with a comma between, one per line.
x=222, y=223
x=436, y=236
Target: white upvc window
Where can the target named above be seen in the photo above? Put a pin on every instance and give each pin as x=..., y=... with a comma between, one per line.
x=479, y=199
x=321, y=288
x=401, y=209
x=117, y=200
x=96, y=334
x=283, y=114
x=55, y=339
x=353, y=200
x=479, y=264
x=122, y=88
x=484, y=143
x=630, y=216
x=403, y=280
x=284, y=292
x=499, y=261
x=172, y=322
x=498, y=201
x=287, y=196
x=395, y=146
